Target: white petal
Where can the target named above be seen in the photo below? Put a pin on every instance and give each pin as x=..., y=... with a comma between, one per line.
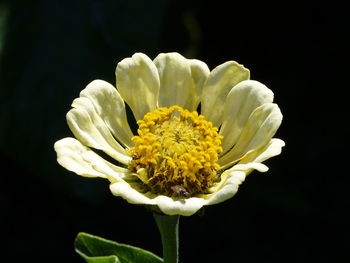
x=166, y=204
x=200, y=73
x=176, y=84
x=89, y=128
x=76, y=157
x=131, y=195
x=249, y=166
x=252, y=161
x=272, y=149
x=258, y=131
x=220, y=81
x=227, y=188
x=110, y=107
x=241, y=101
x=138, y=84
x=184, y=207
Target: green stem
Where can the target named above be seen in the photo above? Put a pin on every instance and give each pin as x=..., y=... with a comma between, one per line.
x=169, y=231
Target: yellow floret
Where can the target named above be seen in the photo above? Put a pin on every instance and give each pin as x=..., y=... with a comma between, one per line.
x=175, y=149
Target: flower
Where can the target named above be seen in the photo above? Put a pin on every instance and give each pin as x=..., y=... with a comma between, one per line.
x=179, y=160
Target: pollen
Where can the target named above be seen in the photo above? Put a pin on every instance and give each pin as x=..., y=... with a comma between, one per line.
x=176, y=152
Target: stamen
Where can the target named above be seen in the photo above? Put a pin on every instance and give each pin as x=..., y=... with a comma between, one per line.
x=176, y=152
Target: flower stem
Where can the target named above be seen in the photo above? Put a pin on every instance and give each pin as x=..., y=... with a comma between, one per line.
x=169, y=231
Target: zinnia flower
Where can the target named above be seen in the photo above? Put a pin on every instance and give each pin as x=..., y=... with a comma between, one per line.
x=179, y=160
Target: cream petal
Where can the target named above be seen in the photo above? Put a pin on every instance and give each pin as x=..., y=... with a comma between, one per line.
x=110, y=107
x=166, y=204
x=273, y=148
x=138, y=84
x=250, y=166
x=75, y=157
x=176, y=84
x=200, y=73
x=131, y=195
x=227, y=188
x=186, y=207
x=220, y=81
x=241, y=101
x=258, y=131
x=253, y=160
x=89, y=128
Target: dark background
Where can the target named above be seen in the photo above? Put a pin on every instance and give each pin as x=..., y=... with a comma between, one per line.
x=50, y=50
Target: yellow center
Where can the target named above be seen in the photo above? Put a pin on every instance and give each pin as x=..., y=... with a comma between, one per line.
x=176, y=152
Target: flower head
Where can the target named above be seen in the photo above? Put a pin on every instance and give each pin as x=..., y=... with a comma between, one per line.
x=179, y=160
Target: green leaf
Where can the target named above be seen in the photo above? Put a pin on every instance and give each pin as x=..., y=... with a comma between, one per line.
x=95, y=249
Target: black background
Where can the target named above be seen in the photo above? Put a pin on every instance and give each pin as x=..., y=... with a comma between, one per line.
x=50, y=50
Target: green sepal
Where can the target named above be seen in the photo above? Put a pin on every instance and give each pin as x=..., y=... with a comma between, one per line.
x=94, y=249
